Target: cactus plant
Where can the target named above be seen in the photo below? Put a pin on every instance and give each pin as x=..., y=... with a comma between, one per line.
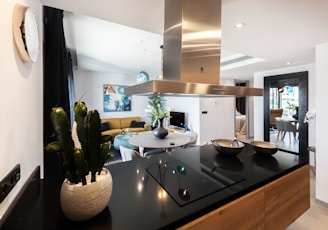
x=83, y=147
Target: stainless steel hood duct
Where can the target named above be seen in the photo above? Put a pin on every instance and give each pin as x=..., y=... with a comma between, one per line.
x=191, y=53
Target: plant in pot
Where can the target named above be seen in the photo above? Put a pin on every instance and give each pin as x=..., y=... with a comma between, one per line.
x=87, y=188
x=156, y=109
x=155, y=105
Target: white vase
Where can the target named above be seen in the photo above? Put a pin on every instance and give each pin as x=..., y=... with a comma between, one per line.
x=80, y=202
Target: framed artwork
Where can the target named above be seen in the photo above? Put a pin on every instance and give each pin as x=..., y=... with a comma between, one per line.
x=115, y=100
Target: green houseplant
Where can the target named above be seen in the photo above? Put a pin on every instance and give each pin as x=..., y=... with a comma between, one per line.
x=156, y=109
x=84, y=150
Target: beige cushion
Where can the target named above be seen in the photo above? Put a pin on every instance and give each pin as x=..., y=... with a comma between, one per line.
x=126, y=121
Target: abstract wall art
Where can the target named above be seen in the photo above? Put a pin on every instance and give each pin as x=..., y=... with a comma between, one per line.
x=115, y=100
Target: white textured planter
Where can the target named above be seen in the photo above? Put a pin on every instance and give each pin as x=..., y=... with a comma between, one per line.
x=84, y=202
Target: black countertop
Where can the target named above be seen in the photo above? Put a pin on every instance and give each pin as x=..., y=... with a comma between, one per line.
x=138, y=201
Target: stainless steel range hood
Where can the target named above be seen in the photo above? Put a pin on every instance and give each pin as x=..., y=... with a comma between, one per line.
x=191, y=53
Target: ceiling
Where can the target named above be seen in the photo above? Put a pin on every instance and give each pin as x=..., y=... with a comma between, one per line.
x=125, y=35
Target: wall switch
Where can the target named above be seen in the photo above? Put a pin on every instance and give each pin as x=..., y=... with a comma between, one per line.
x=9, y=181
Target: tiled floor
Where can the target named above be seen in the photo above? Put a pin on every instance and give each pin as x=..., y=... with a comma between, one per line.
x=288, y=142
x=315, y=218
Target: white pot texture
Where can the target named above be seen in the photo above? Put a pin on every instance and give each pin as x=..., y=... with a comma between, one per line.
x=80, y=202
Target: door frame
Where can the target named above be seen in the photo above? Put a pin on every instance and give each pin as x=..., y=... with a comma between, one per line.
x=301, y=79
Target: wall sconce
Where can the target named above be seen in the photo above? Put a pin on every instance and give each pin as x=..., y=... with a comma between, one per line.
x=281, y=89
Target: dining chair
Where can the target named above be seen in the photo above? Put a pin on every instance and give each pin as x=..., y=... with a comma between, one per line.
x=128, y=154
x=193, y=138
x=290, y=127
x=280, y=128
x=154, y=151
x=273, y=114
x=149, y=151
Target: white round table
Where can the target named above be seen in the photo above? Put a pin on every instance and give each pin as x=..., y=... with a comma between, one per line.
x=148, y=140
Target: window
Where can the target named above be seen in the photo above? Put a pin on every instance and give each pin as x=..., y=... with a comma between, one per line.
x=287, y=99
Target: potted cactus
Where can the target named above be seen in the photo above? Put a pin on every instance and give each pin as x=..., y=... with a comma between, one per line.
x=84, y=151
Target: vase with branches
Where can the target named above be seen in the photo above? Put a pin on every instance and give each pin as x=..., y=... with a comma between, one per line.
x=155, y=109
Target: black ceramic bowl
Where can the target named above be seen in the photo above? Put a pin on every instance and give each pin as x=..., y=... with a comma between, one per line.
x=228, y=147
x=264, y=147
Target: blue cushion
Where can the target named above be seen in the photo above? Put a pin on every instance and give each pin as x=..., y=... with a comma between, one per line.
x=105, y=126
x=136, y=124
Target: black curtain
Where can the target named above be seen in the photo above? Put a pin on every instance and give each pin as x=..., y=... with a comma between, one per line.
x=57, y=69
x=71, y=87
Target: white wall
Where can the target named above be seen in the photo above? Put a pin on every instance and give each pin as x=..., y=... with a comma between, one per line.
x=21, y=125
x=89, y=88
x=219, y=120
x=321, y=122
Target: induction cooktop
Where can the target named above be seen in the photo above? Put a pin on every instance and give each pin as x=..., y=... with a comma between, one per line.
x=186, y=184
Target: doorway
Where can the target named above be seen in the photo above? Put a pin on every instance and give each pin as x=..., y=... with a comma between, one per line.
x=241, y=113
x=297, y=80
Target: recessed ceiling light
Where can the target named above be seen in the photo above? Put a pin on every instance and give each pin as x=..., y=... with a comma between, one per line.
x=288, y=63
x=240, y=25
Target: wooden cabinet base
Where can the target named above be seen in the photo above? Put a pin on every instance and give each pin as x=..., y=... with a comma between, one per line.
x=287, y=198
x=273, y=206
x=246, y=212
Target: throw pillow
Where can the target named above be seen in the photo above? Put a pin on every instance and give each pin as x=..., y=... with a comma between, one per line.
x=105, y=126
x=136, y=124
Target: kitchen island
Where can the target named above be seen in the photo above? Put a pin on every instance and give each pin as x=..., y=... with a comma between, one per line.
x=189, y=188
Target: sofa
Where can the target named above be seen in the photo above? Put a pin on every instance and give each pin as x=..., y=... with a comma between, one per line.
x=115, y=126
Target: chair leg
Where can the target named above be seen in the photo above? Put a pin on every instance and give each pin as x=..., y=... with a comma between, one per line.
x=278, y=135
x=283, y=135
x=141, y=150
